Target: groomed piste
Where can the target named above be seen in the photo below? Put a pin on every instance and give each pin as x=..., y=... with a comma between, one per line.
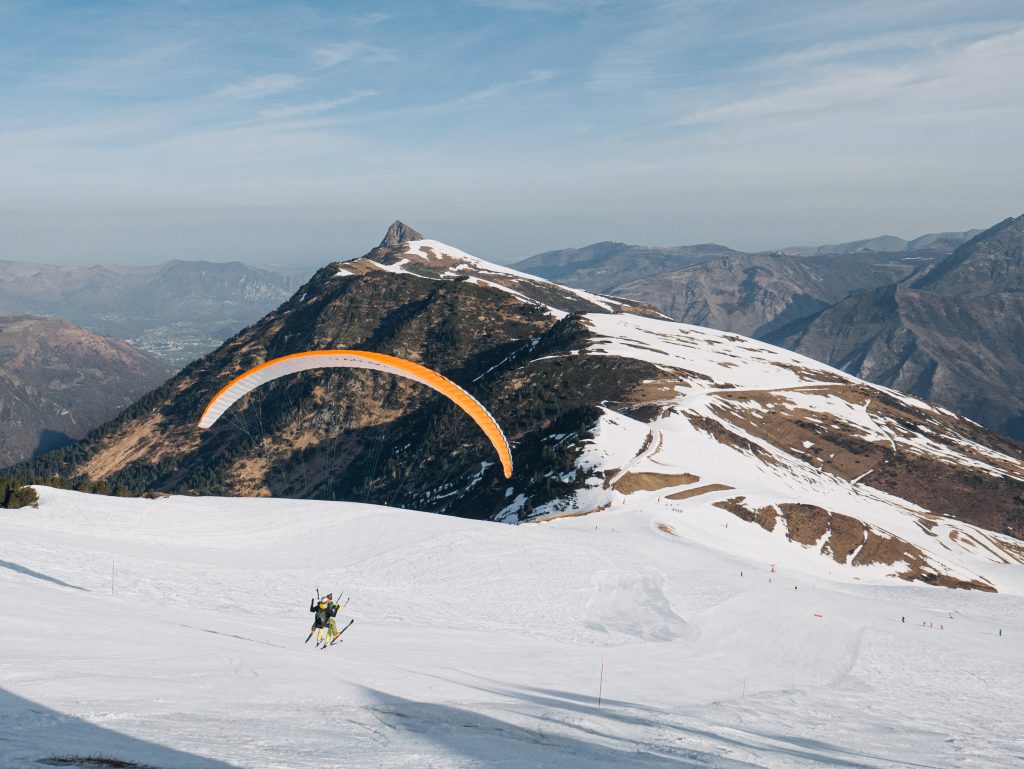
x=169, y=632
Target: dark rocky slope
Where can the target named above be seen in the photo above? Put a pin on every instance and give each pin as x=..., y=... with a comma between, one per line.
x=953, y=334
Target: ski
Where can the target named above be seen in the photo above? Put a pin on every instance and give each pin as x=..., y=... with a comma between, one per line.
x=337, y=638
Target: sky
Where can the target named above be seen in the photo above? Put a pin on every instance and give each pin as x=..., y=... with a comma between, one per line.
x=292, y=133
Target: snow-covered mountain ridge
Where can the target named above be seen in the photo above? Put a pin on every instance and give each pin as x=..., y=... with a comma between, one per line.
x=432, y=259
x=789, y=446
x=773, y=437
x=601, y=404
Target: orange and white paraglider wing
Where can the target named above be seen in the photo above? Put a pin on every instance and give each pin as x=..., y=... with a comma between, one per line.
x=304, y=361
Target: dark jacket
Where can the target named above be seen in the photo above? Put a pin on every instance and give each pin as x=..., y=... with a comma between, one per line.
x=323, y=616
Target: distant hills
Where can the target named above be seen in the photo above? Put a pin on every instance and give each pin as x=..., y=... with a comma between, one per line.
x=176, y=311
x=953, y=333
x=749, y=293
x=752, y=294
x=58, y=381
x=938, y=316
x=937, y=241
x=605, y=266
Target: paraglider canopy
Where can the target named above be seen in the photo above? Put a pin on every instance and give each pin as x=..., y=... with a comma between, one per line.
x=315, y=359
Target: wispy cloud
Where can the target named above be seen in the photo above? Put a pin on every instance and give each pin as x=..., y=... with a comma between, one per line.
x=316, y=107
x=535, y=77
x=260, y=86
x=369, y=19
x=668, y=119
x=978, y=76
x=328, y=56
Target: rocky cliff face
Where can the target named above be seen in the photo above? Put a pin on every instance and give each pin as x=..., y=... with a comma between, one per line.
x=752, y=294
x=951, y=334
x=58, y=381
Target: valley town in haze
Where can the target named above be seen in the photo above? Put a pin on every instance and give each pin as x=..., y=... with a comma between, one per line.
x=576, y=384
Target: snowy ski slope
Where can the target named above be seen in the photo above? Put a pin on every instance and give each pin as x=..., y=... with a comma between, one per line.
x=169, y=632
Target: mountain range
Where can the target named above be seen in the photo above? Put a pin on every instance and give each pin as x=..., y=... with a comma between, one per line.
x=749, y=293
x=58, y=381
x=953, y=333
x=175, y=311
x=937, y=241
x=914, y=315
x=601, y=399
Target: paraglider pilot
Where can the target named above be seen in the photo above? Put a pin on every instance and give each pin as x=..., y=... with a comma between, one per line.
x=325, y=610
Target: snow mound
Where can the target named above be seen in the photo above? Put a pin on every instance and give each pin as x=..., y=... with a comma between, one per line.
x=633, y=604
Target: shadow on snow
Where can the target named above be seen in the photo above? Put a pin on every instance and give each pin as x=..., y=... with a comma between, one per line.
x=37, y=575
x=31, y=733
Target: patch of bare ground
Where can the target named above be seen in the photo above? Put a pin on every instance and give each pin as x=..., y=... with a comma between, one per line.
x=699, y=490
x=650, y=400
x=726, y=436
x=940, y=485
x=631, y=482
x=609, y=474
x=845, y=537
x=987, y=545
x=570, y=514
x=806, y=374
x=805, y=524
x=1012, y=550
x=143, y=440
x=667, y=529
x=247, y=476
x=964, y=493
x=890, y=550
x=683, y=375
x=648, y=440
x=765, y=517
x=959, y=435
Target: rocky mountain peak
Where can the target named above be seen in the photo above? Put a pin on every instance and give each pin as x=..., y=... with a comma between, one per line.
x=398, y=233
x=990, y=263
x=434, y=260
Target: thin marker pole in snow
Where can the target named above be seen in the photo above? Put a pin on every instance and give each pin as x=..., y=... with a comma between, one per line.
x=744, y=686
x=600, y=684
x=111, y=577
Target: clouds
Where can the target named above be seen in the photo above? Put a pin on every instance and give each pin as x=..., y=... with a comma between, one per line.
x=659, y=121
x=940, y=84
x=259, y=86
x=333, y=54
x=316, y=107
x=496, y=90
